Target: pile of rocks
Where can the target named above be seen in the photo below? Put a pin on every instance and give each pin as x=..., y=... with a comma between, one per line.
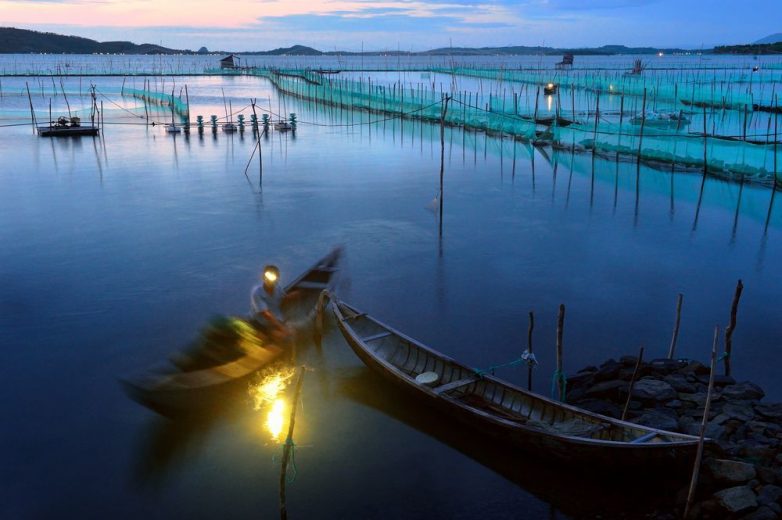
x=741, y=476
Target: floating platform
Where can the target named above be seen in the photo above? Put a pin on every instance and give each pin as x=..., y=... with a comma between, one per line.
x=68, y=131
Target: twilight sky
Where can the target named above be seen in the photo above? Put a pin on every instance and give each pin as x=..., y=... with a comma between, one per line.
x=405, y=24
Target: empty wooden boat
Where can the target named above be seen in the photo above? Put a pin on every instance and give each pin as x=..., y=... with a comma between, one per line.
x=196, y=375
x=495, y=407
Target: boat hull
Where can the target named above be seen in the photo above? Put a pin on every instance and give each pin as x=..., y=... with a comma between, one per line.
x=593, y=453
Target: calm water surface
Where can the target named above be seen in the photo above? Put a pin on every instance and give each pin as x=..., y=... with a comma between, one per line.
x=116, y=251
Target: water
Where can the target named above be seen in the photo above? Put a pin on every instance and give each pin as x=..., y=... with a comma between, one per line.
x=115, y=252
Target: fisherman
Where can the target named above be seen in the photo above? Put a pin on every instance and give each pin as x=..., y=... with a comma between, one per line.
x=266, y=305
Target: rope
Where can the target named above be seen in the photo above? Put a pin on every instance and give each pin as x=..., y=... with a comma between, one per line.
x=294, y=471
x=561, y=380
x=724, y=356
x=518, y=361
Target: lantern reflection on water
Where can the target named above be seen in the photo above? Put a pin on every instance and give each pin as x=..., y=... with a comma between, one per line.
x=267, y=394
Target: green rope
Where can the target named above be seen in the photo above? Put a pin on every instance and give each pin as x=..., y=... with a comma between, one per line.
x=482, y=372
x=289, y=442
x=724, y=356
x=294, y=472
x=559, y=379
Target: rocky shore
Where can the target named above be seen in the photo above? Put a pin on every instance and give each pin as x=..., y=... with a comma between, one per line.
x=741, y=475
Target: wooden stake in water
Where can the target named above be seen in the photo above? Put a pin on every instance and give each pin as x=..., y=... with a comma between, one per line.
x=559, y=378
x=32, y=111
x=530, y=361
x=286, y=450
x=632, y=382
x=699, y=454
x=446, y=99
x=675, y=337
x=734, y=307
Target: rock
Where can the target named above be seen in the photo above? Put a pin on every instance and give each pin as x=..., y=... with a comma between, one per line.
x=731, y=471
x=680, y=383
x=612, y=390
x=713, y=431
x=770, y=411
x=743, y=391
x=664, y=365
x=658, y=420
x=766, y=475
x=761, y=513
x=694, y=367
x=628, y=361
x=601, y=407
x=698, y=398
x=607, y=371
x=736, y=499
x=769, y=494
x=590, y=368
x=653, y=390
x=739, y=411
x=675, y=404
x=757, y=452
x=580, y=379
x=721, y=380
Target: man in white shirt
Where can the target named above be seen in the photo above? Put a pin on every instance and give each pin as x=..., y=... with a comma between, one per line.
x=266, y=304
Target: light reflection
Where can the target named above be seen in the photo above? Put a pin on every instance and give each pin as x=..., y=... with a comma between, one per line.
x=275, y=418
x=266, y=393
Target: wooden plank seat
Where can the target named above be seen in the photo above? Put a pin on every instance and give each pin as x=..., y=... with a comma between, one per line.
x=447, y=387
x=376, y=336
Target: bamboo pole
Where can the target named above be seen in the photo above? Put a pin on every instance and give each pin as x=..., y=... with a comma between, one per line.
x=643, y=123
x=530, y=361
x=734, y=307
x=558, y=375
x=699, y=453
x=286, y=450
x=32, y=111
x=632, y=382
x=675, y=337
x=446, y=99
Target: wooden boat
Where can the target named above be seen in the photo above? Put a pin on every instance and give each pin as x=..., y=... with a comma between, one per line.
x=197, y=375
x=532, y=422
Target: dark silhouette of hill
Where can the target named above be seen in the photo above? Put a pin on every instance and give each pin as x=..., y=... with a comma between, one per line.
x=21, y=41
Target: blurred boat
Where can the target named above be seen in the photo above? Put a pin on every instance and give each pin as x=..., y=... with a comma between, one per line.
x=500, y=409
x=231, y=350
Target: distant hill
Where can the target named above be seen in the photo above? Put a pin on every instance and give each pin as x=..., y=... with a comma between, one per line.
x=296, y=50
x=766, y=48
x=773, y=38
x=22, y=41
x=605, y=50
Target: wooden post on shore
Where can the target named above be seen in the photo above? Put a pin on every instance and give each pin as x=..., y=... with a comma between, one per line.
x=734, y=307
x=559, y=377
x=675, y=337
x=288, y=447
x=699, y=453
x=530, y=361
x=632, y=382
